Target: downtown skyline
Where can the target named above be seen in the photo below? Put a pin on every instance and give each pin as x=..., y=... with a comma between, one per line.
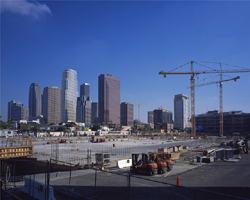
x=130, y=40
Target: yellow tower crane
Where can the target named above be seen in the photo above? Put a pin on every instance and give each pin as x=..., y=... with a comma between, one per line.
x=192, y=85
x=221, y=96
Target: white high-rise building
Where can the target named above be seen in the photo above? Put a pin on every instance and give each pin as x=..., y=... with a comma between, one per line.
x=181, y=111
x=69, y=95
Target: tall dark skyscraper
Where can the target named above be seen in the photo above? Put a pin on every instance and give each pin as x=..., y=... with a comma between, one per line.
x=108, y=99
x=127, y=114
x=85, y=90
x=83, y=111
x=35, y=100
x=94, y=112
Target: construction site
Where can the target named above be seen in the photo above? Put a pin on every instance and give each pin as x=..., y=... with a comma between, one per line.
x=79, y=168
x=180, y=166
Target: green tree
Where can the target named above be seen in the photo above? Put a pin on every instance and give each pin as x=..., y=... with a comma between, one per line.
x=95, y=127
x=10, y=123
x=2, y=124
x=24, y=127
x=61, y=128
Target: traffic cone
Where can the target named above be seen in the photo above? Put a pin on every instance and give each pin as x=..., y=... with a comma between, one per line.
x=178, y=181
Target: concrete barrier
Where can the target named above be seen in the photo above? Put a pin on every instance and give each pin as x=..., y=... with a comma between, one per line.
x=207, y=159
x=124, y=163
x=37, y=189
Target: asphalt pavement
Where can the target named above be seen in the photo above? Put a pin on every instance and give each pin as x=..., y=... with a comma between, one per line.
x=224, y=177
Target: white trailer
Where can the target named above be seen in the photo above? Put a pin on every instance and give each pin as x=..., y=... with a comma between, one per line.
x=7, y=133
x=56, y=134
x=85, y=133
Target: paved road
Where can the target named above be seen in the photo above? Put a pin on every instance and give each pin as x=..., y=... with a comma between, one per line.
x=225, y=177
x=221, y=177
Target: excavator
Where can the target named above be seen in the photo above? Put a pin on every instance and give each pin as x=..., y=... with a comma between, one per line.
x=144, y=165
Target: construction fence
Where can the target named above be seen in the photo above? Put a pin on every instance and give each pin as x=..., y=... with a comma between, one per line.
x=69, y=183
x=76, y=154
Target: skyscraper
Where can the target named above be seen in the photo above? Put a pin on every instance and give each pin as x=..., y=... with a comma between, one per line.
x=69, y=95
x=127, y=114
x=162, y=116
x=17, y=111
x=35, y=100
x=85, y=90
x=150, y=117
x=108, y=99
x=52, y=105
x=163, y=120
x=94, y=112
x=83, y=111
x=181, y=111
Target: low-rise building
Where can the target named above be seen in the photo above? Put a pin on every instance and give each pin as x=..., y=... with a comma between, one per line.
x=233, y=122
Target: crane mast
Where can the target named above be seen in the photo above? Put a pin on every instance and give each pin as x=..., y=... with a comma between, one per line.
x=221, y=96
x=192, y=86
x=139, y=109
x=221, y=104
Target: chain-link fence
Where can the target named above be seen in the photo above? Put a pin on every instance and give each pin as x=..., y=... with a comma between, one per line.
x=15, y=171
x=76, y=153
x=92, y=183
x=103, y=184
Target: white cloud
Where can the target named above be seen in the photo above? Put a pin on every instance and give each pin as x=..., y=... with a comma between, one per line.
x=24, y=7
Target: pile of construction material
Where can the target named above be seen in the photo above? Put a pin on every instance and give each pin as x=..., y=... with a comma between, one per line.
x=95, y=139
x=173, y=152
x=12, y=148
x=228, y=151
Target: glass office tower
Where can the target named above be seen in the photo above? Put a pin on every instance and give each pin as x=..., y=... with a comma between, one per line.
x=35, y=100
x=83, y=112
x=69, y=95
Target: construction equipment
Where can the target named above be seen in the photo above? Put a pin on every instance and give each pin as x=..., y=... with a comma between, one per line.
x=139, y=109
x=102, y=159
x=221, y=97
x=242, y=145
x=161, y=163
x=192, y=84
x=143, y=165
x=165, y=157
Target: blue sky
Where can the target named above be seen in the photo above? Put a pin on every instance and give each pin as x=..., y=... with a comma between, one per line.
x=132, y=40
